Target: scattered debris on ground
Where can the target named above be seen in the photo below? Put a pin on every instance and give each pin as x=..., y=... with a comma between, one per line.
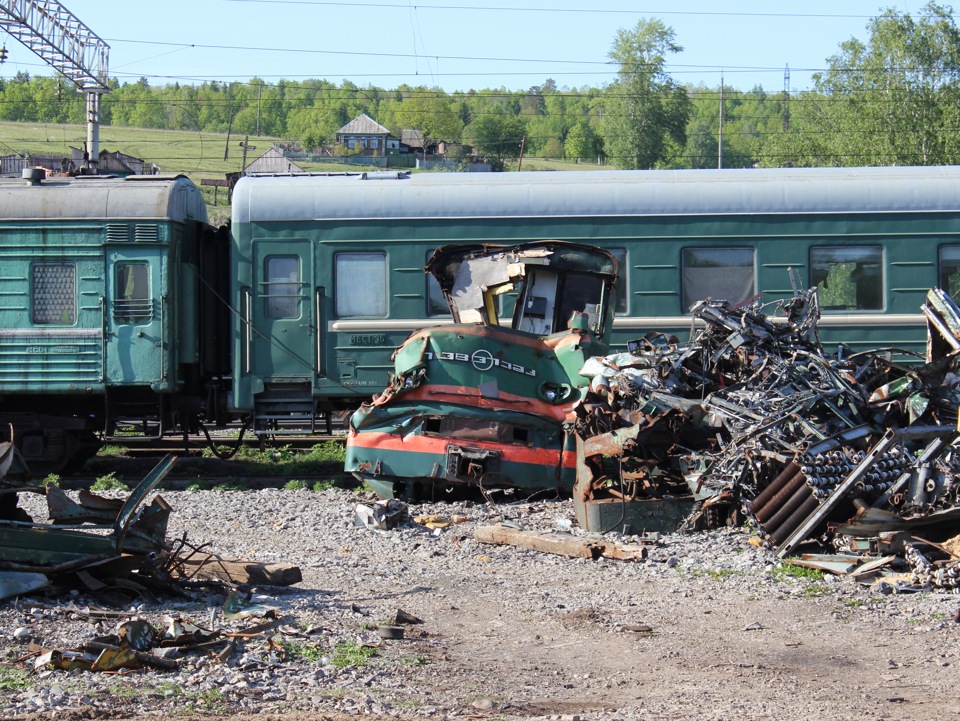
x=116, y=549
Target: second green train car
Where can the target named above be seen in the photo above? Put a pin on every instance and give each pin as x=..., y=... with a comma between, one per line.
x=327, y=270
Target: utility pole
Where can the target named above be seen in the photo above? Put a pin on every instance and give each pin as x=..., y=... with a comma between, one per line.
x=70, y=47
x=786, y=98
x=245, y=144
x=523, y=141
x=720, y=134
x=259, y=91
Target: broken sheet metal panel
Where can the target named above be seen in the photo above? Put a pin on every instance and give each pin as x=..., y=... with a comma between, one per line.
x=89, y=531
x=943, y=324
x=18, y=583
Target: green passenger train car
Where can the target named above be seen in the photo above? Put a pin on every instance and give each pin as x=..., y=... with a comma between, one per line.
x=105, y=314
x=328, y=270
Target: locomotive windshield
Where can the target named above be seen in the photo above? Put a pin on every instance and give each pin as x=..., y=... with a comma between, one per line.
x=559, y=285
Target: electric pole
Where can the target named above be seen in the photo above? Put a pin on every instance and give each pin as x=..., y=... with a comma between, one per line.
x=786, y=98
x=720, y=134
x=68, y=46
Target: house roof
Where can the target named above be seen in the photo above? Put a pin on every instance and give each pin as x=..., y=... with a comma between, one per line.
x=273, y=161
x=412, y=138
x=363, y=124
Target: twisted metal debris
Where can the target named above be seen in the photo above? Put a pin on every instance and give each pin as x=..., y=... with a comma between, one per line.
x=753, y=418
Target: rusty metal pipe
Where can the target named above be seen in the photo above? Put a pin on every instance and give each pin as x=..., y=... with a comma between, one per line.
x=782, y=513
x=770, y=508
x=767, y=493
x=793, y=522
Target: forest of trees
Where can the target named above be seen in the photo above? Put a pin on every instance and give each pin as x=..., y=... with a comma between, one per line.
x=890, y=99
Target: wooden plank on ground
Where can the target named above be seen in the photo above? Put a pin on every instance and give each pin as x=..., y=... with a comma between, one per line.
x=561, y=544
x=232, y=570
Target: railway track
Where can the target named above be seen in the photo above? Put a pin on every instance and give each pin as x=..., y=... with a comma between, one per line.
x=196, y=444
x=209, y=481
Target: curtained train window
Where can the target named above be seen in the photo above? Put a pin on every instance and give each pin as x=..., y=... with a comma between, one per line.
x=717, y=273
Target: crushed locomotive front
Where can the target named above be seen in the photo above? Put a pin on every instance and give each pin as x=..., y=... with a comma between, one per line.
x=475, y=404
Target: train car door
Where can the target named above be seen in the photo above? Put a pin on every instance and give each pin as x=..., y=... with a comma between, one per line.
x=137, y=311
x=282, y=342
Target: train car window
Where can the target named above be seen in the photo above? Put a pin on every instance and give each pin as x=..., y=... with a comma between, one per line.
x=54, y=292
x=623, y=288
x=719, y=273
x=282, y=286
x=361, y=280
x=950, y=268
x=132, y=302
x=848, y=277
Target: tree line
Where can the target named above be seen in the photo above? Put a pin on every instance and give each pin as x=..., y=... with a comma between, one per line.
x=890, y=99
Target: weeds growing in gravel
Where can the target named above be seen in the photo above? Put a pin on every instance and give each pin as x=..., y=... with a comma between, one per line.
x=230, y=484
x=13, y=679
x=212, y=701
x=815, y=590
x=122, y=690
x=291, y=651
x=109, y=482
x=350, y=653
x=792, y=570
x=52, y=479
x=415, y=661
x=167, y=688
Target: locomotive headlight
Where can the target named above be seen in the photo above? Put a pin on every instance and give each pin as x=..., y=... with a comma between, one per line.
x=554, y=392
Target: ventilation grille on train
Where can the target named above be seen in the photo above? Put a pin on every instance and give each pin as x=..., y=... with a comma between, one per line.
x=146, y=232
x=120, y=232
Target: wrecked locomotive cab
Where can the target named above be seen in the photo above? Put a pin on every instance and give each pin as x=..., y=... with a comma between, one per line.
x=476, y=404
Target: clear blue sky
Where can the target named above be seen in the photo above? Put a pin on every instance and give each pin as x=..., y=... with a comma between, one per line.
x=459, y=44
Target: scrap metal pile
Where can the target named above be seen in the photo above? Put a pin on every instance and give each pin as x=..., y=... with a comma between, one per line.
x=752, y=417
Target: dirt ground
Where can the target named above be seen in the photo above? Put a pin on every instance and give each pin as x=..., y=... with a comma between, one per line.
x=516, y=634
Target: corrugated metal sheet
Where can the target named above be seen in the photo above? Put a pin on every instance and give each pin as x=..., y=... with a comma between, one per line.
x=598, y=193
x=93, y=198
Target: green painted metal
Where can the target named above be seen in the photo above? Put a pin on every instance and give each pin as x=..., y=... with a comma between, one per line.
x=136, y=528
x=100, y=309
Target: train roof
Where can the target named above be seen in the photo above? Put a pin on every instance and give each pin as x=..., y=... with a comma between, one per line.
x=383, y=195
x=137, y=197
